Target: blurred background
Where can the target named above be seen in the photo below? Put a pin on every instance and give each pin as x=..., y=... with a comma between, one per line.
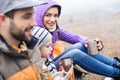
x=93, y=18
x=87, y=5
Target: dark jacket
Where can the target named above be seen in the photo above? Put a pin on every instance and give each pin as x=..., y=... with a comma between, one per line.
x=19, y=66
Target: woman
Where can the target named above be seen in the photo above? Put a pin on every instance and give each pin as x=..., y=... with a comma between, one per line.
x=47, y=16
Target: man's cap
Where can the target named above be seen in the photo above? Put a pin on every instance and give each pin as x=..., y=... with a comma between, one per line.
x=8, y=5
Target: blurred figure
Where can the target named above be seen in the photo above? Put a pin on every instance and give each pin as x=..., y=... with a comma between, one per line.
x=16, y=22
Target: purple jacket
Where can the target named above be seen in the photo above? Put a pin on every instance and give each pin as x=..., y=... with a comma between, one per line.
x=64, y=35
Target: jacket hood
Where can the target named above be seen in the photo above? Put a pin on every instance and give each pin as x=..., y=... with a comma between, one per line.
x=41, y=10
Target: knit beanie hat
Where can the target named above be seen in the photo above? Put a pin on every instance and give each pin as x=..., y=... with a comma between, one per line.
x=42, y=35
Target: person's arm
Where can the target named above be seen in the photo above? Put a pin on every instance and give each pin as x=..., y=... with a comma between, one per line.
x=72, y=38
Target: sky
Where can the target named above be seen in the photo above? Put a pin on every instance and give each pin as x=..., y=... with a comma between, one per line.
x=87, y=9
x=86, y=5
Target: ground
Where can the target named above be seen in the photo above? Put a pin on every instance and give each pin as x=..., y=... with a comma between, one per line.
x=106, y=29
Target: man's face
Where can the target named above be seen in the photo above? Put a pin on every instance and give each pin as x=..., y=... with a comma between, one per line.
x=21, y=24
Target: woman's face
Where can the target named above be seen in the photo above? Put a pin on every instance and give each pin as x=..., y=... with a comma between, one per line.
x=50, y=18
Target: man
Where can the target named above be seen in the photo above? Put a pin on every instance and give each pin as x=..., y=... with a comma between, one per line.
x=16, y=22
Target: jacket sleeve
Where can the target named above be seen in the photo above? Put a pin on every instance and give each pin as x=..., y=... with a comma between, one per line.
x=1, y=78
x=71, y=37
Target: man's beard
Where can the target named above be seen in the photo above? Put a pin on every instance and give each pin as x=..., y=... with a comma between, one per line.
x=17, y=33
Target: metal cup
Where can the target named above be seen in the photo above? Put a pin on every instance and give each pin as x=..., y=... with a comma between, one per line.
x=66, y=63
x=92, y=47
